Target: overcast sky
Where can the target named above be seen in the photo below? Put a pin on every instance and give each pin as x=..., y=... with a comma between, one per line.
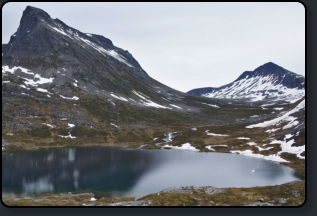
x=188, y=45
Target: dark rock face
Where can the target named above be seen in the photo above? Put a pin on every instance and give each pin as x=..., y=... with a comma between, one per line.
x=265, y=82
x=46, y=43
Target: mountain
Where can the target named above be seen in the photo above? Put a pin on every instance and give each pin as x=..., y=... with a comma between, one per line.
x=52, y=70
x=269, y=82
x=62, y=87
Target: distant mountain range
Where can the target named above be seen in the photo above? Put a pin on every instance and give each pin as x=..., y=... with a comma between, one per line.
x=268, y=82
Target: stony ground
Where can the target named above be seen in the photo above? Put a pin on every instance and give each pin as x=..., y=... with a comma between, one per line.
x=289, y=194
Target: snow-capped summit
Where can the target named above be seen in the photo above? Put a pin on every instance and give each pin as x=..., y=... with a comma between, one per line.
x=268, y=82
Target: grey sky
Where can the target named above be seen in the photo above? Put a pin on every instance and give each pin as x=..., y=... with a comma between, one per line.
x=188, y=45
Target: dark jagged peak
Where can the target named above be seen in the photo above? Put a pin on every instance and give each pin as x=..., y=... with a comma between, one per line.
x=32, y=16
x=33, y=11
x=40, y=36
x=270, y=68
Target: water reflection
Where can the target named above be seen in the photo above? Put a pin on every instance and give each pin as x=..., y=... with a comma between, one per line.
x=123, y=172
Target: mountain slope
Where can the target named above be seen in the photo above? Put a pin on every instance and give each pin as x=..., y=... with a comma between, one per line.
x=51, y=69
x=268, y=82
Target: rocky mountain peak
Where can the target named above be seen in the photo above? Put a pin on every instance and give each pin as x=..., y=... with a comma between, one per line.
x=34, y=12
x=32, y=17
x=268, y=81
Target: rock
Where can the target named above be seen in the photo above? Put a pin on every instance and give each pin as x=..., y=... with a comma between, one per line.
x=69, y=193
x=282, y=200
x=259, y=204
x=296, y=193
x=191, y=189
x=16, y=199
x=41, y=200
x=130, y=203
x=28, y=198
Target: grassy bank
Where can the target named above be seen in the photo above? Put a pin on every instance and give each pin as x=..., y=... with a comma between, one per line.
x=289, y=194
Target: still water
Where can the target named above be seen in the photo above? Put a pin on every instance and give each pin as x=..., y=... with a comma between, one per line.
x=108, y=171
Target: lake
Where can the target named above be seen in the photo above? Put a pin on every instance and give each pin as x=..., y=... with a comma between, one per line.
x=110, y=171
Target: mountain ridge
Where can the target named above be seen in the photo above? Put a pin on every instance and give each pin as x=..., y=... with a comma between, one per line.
x=263, y=83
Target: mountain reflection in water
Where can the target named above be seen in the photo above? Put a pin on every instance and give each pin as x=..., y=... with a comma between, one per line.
x=108, y=171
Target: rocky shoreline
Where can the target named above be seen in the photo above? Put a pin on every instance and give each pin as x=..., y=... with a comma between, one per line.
x=289, y=194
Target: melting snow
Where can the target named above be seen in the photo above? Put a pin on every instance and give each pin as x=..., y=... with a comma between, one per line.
x=12, y=70
x=212, y=105
x=103, y=51
x=216, y=145
x=114, y=125
x=210, y=148
x=176, y=106
x=256, y=88
x=42, y=90
x=186, y=146
x=41, y=80
x=272, y=130
x=69, y=136
x=213, y=134
x=278, y=108
x=285, y=145
x=285, y=117
x=73, y=98
x=118, y=97
x=246, y=138
x=148, y=102
x=71, y=125
x=48, y=125
x=269, y=157
x=263, y=149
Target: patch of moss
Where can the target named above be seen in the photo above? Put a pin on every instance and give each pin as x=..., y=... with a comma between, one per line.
x=41, y=132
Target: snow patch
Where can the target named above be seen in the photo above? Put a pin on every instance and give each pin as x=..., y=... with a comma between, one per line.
x=246, y=138
x=278, y=108
x=148, y=102
x=176, y=106
x=285, y=117
x=69, y=136
x=213, y=134
x=71, y=125
x=114, y=125
x=48, y=125
x=269, y=157
x=251, y=143
x=118, y=97
x=185, y=146
x=73, y=98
